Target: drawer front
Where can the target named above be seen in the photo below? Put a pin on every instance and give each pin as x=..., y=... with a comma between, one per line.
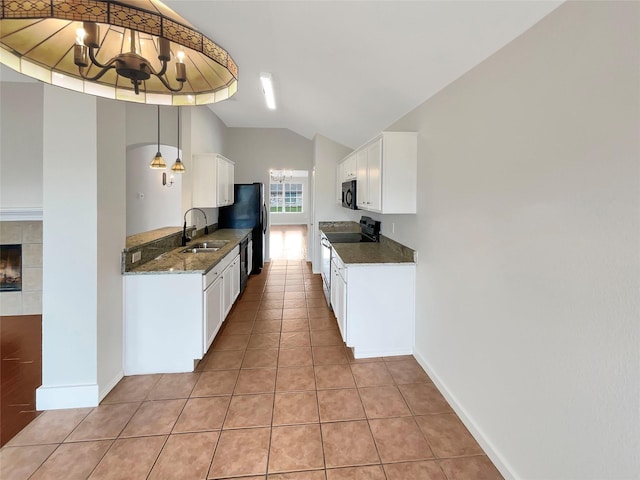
x=216, y=271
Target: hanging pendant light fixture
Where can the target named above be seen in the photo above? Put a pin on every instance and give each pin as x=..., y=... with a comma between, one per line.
x=178, y=166
x=133, y=50
x=158, y=162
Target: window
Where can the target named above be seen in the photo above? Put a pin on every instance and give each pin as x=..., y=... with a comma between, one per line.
x=286, y=197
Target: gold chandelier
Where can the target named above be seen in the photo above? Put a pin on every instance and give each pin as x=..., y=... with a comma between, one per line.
x=116, y=49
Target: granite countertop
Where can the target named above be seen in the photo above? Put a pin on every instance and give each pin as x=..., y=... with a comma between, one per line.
x=174, y=261
x=387, y=251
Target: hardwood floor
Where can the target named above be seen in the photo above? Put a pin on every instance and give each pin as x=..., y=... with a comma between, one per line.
x=20, y=372
x=288, y=242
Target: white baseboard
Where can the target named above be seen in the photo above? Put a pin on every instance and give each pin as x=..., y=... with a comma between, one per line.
x=67, y=396
x=382, y=353
x=104, y=391
x=497, y=459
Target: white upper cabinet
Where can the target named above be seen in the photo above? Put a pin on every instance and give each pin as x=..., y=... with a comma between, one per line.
x=213, y=178
x=386, y=173
x=225, y=181
x=347, y=170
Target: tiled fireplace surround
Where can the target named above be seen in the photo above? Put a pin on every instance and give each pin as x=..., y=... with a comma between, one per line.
x=29, y=300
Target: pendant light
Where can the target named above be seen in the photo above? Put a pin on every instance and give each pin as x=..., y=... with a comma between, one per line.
x=158, y=162
x=178, y=166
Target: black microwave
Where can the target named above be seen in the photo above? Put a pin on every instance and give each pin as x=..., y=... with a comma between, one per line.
x=349, y=194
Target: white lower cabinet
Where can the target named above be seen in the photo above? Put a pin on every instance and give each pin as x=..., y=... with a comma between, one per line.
x=339, y=293
x=230, y=285
x=375, y=307
x=213, y=314
x=249, y=257
x=171, y=319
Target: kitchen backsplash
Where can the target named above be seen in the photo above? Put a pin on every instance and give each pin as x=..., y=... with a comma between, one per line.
x=156, y=242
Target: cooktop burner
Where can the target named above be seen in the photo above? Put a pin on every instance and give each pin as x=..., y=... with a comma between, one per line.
x=347, y=237
x=369, y=232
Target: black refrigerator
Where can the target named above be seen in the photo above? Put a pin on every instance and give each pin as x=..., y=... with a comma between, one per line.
x=248, y=211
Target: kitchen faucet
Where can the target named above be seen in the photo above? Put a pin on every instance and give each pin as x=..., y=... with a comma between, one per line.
x=185, y=239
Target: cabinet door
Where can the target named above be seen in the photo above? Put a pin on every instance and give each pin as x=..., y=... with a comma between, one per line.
x=374, y=176
x=230, y=182
x=339, y=169
x=334, y=288
x=362, y=182
x=250, y=257
x=205, y=174
x=227, y=282
x=224, y=173
x=212, y=312
x=350, y=168
x=341, y=306
x=230, y=285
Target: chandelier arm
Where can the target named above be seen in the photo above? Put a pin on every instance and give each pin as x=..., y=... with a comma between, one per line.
x=95, y=61
x=100, y=73
x=166, y=84
x=162, y=71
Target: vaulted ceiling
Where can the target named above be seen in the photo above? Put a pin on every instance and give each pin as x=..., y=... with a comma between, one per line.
x=348, y=69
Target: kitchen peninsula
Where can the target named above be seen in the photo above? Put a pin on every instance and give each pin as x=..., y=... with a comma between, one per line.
x=371, y=290
x=176, y=299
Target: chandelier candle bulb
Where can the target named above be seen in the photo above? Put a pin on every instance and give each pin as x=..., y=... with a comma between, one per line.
x=81, y=55
x=181, y=72
x=165, y=49
x=92, y=34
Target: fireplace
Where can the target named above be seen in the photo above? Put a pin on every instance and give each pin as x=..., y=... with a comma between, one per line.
x=10, y=268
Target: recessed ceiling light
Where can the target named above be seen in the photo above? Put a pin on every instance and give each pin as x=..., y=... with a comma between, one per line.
x=267, y=88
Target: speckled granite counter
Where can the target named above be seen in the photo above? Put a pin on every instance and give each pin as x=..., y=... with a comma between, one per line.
x=386, y=252
x=174, y=261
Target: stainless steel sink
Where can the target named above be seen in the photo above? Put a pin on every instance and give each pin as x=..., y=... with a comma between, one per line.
x=204, y=247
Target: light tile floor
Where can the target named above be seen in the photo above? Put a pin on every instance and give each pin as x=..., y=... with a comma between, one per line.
x=278, y=396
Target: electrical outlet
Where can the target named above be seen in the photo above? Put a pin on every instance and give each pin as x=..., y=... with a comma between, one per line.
x=393, y=227
x=136, y=257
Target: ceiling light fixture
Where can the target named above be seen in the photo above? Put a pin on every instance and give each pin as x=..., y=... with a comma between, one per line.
x=267, y=89
x=281, y=176
x=158, y=162
x=116, y=49
x=178, y=166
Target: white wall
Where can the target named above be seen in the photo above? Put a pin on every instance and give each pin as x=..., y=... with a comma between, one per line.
x=256, y=151
x=70, y=194
x=528, y=232
x=326, y=156
x=150, y=204
x=21, y=146
x=112, y=219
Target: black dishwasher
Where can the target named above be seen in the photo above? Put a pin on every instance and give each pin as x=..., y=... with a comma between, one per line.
x=244, y=275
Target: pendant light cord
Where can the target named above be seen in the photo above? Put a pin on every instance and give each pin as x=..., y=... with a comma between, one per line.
x=158, y=128
x=178, y=132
